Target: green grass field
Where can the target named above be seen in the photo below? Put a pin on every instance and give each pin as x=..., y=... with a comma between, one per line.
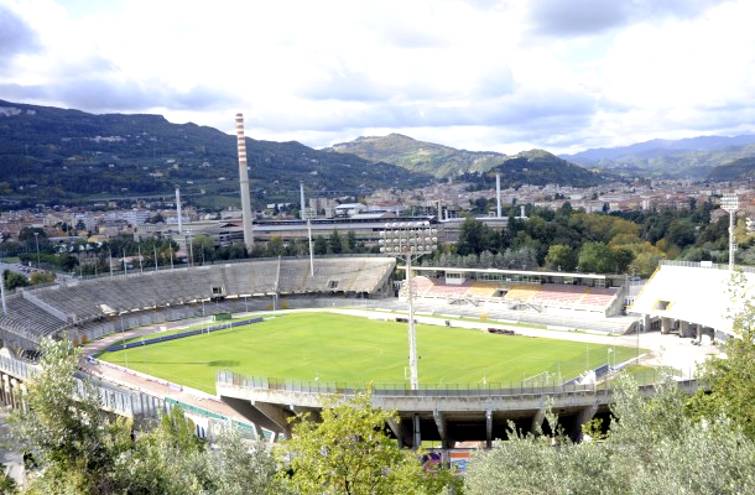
x=347, y=349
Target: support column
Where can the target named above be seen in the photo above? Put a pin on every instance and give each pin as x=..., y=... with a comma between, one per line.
x=489, y=428
x=583, y=417
x=395, y=427
x=416, y=433
x=14, y=393
x=537, y=421
x=440, y=422
x=699, y=333
x=684, y=328
x=665, y=325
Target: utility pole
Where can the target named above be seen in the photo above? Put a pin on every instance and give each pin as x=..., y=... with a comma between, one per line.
x=36, y=240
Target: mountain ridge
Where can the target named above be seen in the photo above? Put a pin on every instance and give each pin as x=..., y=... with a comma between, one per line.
x=689, y=158
x=51, y=154
x=534, y=166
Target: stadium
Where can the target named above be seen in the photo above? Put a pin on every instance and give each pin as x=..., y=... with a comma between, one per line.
x=253, y=343
x=256, y=342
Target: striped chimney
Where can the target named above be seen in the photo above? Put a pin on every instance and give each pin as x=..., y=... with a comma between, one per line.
x=246, y=205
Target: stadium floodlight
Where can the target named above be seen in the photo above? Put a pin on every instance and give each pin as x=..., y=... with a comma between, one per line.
x=730, y=204
x=407, y=240
x=309, y=214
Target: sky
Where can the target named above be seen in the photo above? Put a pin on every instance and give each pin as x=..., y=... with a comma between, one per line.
x=508, y=75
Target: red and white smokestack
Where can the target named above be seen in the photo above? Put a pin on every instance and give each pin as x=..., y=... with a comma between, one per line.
x=246, y=205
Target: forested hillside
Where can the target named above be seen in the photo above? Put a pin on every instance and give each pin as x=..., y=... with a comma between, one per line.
x=53, y=155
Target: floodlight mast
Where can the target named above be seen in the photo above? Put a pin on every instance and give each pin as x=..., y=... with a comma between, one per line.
x=308, y=214
x=408, y=239
x=730, y=204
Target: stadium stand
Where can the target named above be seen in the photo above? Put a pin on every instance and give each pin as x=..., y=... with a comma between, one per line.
x=567, y=297
x=695, y=297
x=95, y=307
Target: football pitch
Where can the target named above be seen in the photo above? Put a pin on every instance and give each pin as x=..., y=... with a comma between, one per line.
x=329, y=347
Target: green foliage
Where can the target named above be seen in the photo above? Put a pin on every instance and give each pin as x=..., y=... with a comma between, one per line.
x=732, y=378
x=475, y=237
x=651, y=448
x=60, y=152
x=14, y=280
x=349, y=453
x=41, y=278
x=596, y=257
x=561, y=257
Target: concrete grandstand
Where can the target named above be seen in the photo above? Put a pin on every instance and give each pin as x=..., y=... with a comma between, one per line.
x=89, y=309
x=579, y=300
x=695, y=299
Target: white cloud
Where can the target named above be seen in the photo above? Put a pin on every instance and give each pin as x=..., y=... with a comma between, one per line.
x=480, y=75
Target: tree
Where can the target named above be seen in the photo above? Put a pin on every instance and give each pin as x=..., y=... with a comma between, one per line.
x=596, y=257
x=72, y=440
x=682, y=232
x=651, y=448
x=275, y=246
x=732, y=378
x=204, y=248
x=622, y=257
x=334, y=243
x=320, y=245
x=14, y=280
x=349, y=453
x=41, y=278
x=475, y=237
x=240, y=468
x=561, y=257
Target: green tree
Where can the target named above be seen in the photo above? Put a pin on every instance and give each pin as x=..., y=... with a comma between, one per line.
x=320, y=245
x=561, y=257
x=14, y=280
x=475, y=237
x=41, y=278
x=651, y=448
x=203, y=247
x=732, y=378
x=275, y=246
x=73, y=440
x=240, y=468
x=349, y=453
x=335, y=245
x=596, y=257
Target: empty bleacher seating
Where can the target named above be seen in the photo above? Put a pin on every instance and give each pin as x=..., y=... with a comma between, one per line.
x=47, y=310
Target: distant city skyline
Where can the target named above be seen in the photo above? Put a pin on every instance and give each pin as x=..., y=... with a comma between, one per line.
x=564, y=75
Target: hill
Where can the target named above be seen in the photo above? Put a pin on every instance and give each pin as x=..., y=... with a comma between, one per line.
x=53, y=155
x=742, y=169
x=693, y=158
x=537, y=167
x=420, y=156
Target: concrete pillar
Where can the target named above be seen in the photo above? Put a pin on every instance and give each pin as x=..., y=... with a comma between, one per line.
x=22, y=397
x=395, y=427
x=683, y=328
x=583, y=417
x=699, y=333
x=489, y=428
x=416, y=433
x=537, y=421
x=665, y=325
x=14, y=393
x=440, y=422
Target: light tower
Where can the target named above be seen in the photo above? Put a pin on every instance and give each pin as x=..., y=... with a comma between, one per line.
x=498, y=195
x=246, y=205
x=178, y=210
x=730, y=204
x=407, y=240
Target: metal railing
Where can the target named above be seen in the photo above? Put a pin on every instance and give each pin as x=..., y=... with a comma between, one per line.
x=18, y=368
x=712, y=266
x=230, y=378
